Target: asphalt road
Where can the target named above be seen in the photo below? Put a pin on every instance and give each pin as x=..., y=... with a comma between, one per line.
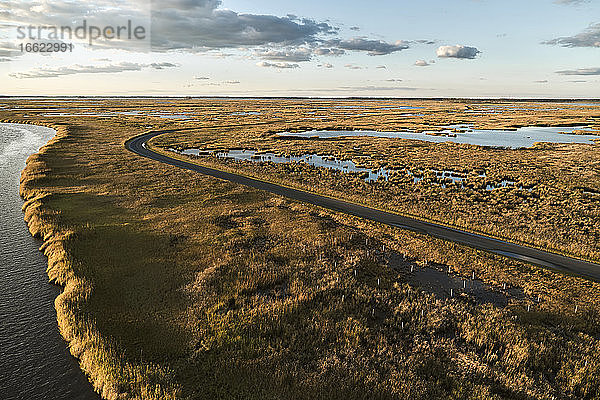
x=528, y=254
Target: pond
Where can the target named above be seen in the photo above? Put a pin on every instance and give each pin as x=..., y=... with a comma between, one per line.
x=436, y=177
x=514, y=139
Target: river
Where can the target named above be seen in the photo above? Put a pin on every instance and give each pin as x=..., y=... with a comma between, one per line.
x=34, y=359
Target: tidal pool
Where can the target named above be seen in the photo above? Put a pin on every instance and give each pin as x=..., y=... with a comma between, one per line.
x=514, y=139
x=315, y=160
x=458, y=179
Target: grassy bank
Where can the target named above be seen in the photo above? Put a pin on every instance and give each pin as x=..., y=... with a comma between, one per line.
x=178, y=285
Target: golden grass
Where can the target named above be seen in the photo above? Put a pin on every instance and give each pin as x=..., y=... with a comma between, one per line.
x=182, y=286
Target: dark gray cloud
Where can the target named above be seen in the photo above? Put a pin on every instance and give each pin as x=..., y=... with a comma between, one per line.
x=580, y=71
x=87, y=69
x=162, y=65
x=371, y=47
x=197, y=24
x=298, y=54
x=291, y=55
x=191, y=25
x=457, y=51
x=590, y=37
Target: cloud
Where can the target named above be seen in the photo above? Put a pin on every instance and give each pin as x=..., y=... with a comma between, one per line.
x=371, y=47
x=588, y=38
x=375, y=88
x=190, y=25
x=352, y=66
x=196, y=24
x=541, y=81
x=295, y=55
x=325, y=65
x=202, y=78
x=279, y=65
x=7, y=49
x=421, y=63
x=324, y=51
x=457, y=51
x=162, y=65
x=381, y=67
x=569, y=2
x=393, y=80
x=87, y=69
x=300, y=54
x=223, y=83
x=580, y=71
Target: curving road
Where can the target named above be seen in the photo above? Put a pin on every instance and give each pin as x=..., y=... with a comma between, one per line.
x=542, y=258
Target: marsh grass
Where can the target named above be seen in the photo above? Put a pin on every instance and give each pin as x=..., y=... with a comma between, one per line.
x=178, y=285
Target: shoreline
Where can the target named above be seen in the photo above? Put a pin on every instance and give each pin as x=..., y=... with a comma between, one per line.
x=58, y=270
x=103, y=363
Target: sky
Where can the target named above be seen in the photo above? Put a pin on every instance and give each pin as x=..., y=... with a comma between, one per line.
x=429, y=48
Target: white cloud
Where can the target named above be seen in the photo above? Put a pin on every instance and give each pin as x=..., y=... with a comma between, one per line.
x=421, y=63
x=376, y=88
x=457, y=51
x=279, y=65
x=571, y=2
x=352, y=66
x=87, y=69
x=580, y=71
